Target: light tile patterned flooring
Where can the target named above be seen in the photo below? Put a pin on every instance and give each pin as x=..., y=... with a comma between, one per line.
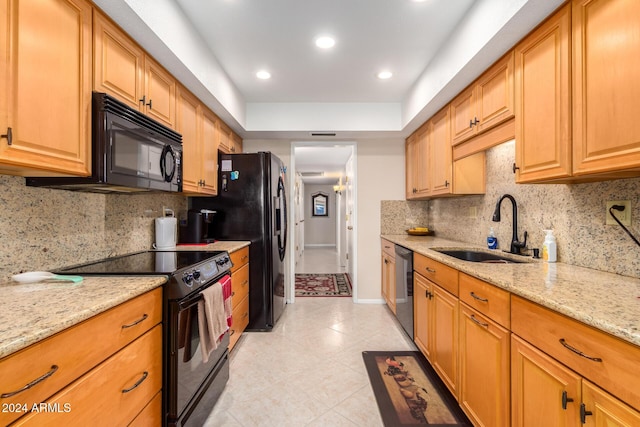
x=309, y=371
x=319, y=260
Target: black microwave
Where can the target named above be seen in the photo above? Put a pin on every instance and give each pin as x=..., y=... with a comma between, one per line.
x=130, y=153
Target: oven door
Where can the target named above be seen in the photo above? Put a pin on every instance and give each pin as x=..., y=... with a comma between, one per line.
x=189, y=378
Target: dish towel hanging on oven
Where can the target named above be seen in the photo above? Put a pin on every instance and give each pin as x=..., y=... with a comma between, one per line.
x=212, y=318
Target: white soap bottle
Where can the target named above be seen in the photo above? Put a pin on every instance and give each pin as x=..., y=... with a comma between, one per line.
x=549, y=248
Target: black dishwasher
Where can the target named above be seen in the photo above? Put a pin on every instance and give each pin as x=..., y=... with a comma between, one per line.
x=404, y=288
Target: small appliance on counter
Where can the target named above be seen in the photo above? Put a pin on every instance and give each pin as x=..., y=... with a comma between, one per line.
x=166, y=231
x=195, y=226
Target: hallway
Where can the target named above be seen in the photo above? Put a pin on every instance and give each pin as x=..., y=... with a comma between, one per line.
x=319, y=260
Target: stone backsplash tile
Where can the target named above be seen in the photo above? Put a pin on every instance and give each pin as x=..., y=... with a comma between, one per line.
x=399, y=215
x=575, y=211
x=43, y=229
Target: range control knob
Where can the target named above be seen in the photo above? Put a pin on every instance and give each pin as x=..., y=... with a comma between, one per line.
x=196, y=274
x=187, y=278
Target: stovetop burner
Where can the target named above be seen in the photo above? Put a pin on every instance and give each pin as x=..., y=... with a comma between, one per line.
x=147, y=262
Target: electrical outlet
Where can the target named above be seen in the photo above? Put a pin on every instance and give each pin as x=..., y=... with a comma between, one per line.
x=624, y=216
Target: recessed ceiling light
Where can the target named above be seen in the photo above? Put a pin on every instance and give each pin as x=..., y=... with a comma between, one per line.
x=325, y=42
x=384, y=75
x=263, y=75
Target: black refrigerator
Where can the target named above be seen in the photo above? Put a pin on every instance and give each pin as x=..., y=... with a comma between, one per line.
x=252, y=205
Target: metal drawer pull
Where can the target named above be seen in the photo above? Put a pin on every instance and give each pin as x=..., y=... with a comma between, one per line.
x=430, y=270
x=53, y=370
x=478, y=298
x=477, y=322
x=142, y=319
x=565, y=400
x=584, y=413
x=245, y=283
x=145, y=374
x=244, y=258
x=233, y=331
x=578, y=352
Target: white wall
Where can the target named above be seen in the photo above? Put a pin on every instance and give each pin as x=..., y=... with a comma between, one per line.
x=380, y=176
x=319, y=230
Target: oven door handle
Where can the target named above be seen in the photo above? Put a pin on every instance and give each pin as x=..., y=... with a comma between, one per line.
x=183, y=305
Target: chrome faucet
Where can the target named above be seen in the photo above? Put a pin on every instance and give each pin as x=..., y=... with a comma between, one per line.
x=516, y=245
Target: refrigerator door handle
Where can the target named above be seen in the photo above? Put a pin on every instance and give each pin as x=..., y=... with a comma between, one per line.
x=277, y=216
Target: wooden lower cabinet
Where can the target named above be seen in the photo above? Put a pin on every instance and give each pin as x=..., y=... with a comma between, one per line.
x=151, y=415
x=538, y=386
x=389, y=281
x=546, y=393
x=422, y=294
x=239, y=294
x=110, y=394
x=484, y=369
x=445, y=337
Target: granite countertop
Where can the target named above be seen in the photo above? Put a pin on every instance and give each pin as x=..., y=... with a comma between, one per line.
x=606, y=301
x=33, y=312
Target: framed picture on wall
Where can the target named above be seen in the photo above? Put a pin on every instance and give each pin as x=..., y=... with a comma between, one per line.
x=319, y=204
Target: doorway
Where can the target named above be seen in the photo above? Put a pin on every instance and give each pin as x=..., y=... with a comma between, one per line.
x=322, y=211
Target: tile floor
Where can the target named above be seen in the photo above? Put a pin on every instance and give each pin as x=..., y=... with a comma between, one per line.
x=309, y=371
x=319, y=260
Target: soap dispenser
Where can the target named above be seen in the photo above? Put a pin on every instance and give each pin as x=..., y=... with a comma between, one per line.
x=549, y=249
x=492, y=240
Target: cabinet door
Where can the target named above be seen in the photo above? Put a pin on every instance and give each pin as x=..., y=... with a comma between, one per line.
x=118, y=63
x=225, y=138
x=539, y=385
x=187, y=125
x=209, y=158
x=606, y=48
x=45, y=70
x=494, y=94
x=445, y=337
x=440, y=162
x=484, y=369
x=391, y=273
x=410, y=154
x=543, y=101
x=602, y=409
x=422, y=315
x=236, y=143
x=160, y=91
x=423, y=161
x=463, y=114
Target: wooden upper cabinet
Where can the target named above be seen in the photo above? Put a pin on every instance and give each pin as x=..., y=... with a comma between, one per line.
x=485, y=104
x=440, y=164
x=209, y=159
x=224, y=138
x=543, y=101
x=606, y=48
x=198, y=126
x=45, y=101
x=418, y=154
x=187, y=123
x=236, y=144
x=123, y=70
x=410, y=153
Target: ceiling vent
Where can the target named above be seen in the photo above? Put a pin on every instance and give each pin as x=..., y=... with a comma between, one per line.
x=307, y=174
x=323, y=134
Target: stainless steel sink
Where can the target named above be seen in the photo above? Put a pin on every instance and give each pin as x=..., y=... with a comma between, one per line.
x=477, y=256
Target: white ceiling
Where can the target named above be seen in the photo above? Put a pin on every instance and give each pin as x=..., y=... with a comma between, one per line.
x=322, y=164
x=278, y=35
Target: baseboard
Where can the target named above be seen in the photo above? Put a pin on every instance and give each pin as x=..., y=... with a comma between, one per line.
x=370, y=301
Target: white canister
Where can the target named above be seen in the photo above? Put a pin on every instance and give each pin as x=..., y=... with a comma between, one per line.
x=166, y=228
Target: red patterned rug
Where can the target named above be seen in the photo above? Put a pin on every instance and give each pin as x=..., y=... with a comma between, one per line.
x=323, y=285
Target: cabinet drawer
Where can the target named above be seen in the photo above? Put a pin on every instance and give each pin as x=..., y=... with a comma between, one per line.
x=388, y=248
x=111, y=394
x=239, y=258
x=239, y=285
x=71, y=353
x=486, y=298
x=617, y=370
x=151, y=415
x=437, y=272
x=240, y=321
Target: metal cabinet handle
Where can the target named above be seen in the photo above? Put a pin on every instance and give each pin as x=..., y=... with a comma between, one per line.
x=515, y=168
x=477, y=297
x=245, y=283
x=578, y=352
x=430, y=270
x=150, y=105
x=584, y=413
x=233, y=331
x=143, y=100
x=565, y=400
x=8, y=135
x=145, y=374
x=244, y=258
x=142, y=319
x=53, y=370
x=479, y=323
